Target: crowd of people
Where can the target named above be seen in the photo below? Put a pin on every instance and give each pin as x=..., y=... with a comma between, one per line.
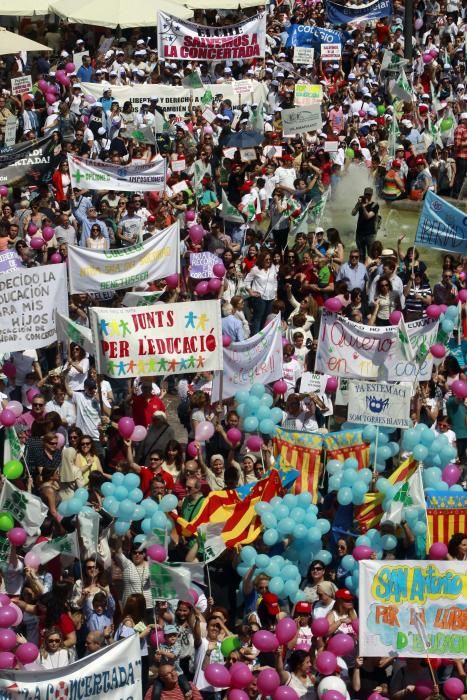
x=68, y=430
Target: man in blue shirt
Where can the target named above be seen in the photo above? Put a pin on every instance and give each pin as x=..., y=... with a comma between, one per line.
x=85, y=72
x=87, y=220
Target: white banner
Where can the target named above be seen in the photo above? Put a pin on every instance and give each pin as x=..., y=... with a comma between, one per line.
x=29, y=511
x=177, y=100
x=412, y=609
x=100, y=175
x=257, y=360
x=119, y=268
x=380, y=404
x=356, y=351
x=303, y=54
x=70, y=331
x=299, y=120
x=161, y=339
x=186, y=41
x=114, y=673
x=29, y=298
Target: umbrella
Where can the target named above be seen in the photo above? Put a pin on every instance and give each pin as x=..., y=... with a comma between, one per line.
x=12, y=43
x=25, y=8
x=245, y=139
x=117, y=13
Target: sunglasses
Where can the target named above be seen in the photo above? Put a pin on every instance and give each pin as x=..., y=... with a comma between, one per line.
x=85, y=444
x=54, y=641
x=155, y=459
x=317, y=568
x=38, y=405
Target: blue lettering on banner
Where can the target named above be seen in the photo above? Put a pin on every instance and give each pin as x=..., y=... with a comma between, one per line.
x=340, y=14
x=303, y=35
x=441, y=225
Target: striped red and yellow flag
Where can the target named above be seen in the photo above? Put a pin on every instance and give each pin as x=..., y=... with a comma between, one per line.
x=444, y=523
x=217, y=507
x=345, y=444
x=370, y=513
x=301, y=451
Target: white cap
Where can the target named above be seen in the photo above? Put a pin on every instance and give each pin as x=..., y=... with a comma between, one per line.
x=140, y=41
x=461, y=86
x=227, y=69
x=464, y=115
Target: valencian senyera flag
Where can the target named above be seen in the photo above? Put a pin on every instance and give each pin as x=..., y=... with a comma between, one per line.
x=300, y=451
x=446, y=515
x=345, y=444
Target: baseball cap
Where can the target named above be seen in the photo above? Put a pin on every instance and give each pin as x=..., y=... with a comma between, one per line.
x=90, y=384
x=271, y=602
x=464, y=115
x=170, y=629
x=344, y=594
x=303, y=608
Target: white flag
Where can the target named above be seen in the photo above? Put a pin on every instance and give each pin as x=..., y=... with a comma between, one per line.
x=70, y=331
x=11, y=447
x=66, y=545
x=28, y=510
x=410, y=494
x=89, y=532
x=214, y=545
x=170, y=582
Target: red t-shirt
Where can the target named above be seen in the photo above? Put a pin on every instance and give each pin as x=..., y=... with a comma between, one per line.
x=147, y=475
x=143, y=410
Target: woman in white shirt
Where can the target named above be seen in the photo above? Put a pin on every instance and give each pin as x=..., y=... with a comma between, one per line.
x=261, y=284
x=76, y=368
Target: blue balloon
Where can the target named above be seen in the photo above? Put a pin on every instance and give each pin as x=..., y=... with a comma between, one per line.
x=363, y=539
x=348, y=562
x=269, y=520
x=136, y=495
x=348, y=582
x=369, y=433
x=290, y=589
x=420, y=452
x=276, y=501
x=299, y=532
x=270, y=537
x=257, y=390
x=323, y=525
x=285, y=526
x=120, y=493
x=139, y=539
x=389, y=542
x=273, y=569
x=304, y=499
x=81, y=494
x=298, y=597
x=107, y=488
x=65, y=509
x=267, y=400
x=242, y=569
x=262, y=561
x=126, y=509
x=456, y=487
x=159, y=521
x=138, y=513
x=419, y=528
x=447, y=326
x=121, y=527
x=427, y=438
x=349, y=477
x=276, y=415
x=297, y=514
x=334, y=466
x=150, y=506
x=290, y=500
x=75, y=505
x=310, y=519
x=276, y=585
x=421, y=428
x=334, y=482
x=289, y=572
x=324, y=556
x=267, y=426
x=261, y=507
x=350, y=463
x=344, y=496
x=252, y=404
x=281, y=511
x=263, y=412
x=447, y=453
x=168, y=503
x=383, y=453
x=382, y=484
x=380, y=467
x=250, y=424
x=111, y=505
x=359, y=489
x=248, y=554
x=314, y=534
x=383, y=439
x=146, y=525
x=131, y=481
x=431, y=476
x=118, y=479
x=241, y=410
x=451, y=312
x=242, y=396
x=410, y=439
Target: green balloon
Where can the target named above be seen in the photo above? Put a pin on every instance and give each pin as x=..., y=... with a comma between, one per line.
x=349, y=152
x=13, y=469
x=446, y=124
x=229, y=645
x=6, y=522
x=381, y=109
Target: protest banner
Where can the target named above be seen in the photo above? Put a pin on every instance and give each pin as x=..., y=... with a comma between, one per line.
x=70, y=331
x=446, y=515
x=303, y=54
x=356, y=351
x=331, y=52
x=25, y=162
x=169, y=582
x=347, y=14
x=305, y=35
x=21, y=85
x=100, y=175
x=161, y=339
x=305, y=94
x=301, y=451
x=347, y=443
x=300, y=120
x=186, y=41
x=153, y=259
x=9, y=260
x=177, y=100
x=141, y=298
x=201, y=265
x=28, y=510
x=313, y=383
x=240, y=87
x=441, y=225
x=10, y=131
x=412, y=609
x=255, y=360
x=29, y=298
x=112, y=673
x=380, y=404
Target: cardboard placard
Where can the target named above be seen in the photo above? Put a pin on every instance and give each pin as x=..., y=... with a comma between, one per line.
x=331, y=52
x=209, y=115
x=21, y=85
x=331, y=146
x=240, y=87
x=303, y=54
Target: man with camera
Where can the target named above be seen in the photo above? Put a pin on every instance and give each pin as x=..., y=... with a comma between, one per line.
x=367, y=211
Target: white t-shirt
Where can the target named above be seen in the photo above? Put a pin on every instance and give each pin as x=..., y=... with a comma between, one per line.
x=88, y=415
x=23, y=363
x=215, y=658
x=76, y=379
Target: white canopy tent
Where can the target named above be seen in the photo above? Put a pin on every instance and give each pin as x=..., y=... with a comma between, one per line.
x=117, y=13
x=12, y=43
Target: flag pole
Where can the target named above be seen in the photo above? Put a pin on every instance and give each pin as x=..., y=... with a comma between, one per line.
x=376, y=450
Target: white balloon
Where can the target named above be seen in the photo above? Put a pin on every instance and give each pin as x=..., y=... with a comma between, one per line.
x=332, y=683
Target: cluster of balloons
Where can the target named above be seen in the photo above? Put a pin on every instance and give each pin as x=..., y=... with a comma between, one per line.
x=39, y=237
x=130, y=431
x=257, y=412
x=51, y=90
x=350, y=482
x=203, y=432
x=213, y=285
x=285, y=576
x=448, y=315
x=12, y=653
x=435, y=452
x=75, y=504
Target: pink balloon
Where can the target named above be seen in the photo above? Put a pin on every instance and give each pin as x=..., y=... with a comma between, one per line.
x=32, y=229
x=433, y=311
x=331, y=385
x=70, y=67
x=7, y=659
x=395, y=317
x=32, y=560
x=423, y=689
x=126, y=425
x=254, y=443
x=56, y=258
x=19, y=614
x=192, y=449
x=31, y=393
x=172, y=281
x=214, y=285
x=7, y=639
x=60, y=441
x=90, y=99
x=4, y=599
x=17, y=536
x=217, y=675
x=286, y=629
x=204, y=431
x=157, y=637
x=427, y=58
x=226, y=341
x=197, y=233
x=190, y=215
x=320, y=627
x=157, y=552
x=279, y=387
x=326, y=662
x=418, y=23
x=59, y=74
x=27, y=653
x=362, y=551
x=268, y=681
x=7, y=616
x=375, y=696
x=237, y=694
x=219, y=270
x=37, y=242
x=50, y=98
x=202, y=288
x=463, y=296
x=48, y=233
x=332, y=695
x=453, y=688
x=341, y=644
x=333, y=304
x=451, y=474
x=264, y=640
x=9, y=369
x=433, y=51
x=438, y=350
x=234, y=435
x=139, y=433
x=66, y=82
x=438, y=551
x=355, y=625
x=285, y=692
x=459, y=388
x=7, y=417
x=194, y=595
x=43, y=85
x=240, y=675
x=3, y=191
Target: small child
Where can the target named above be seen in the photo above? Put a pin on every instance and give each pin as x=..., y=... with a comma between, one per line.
x=99, y=613
x=324, y=273
x=300, y=351
x=169, y=652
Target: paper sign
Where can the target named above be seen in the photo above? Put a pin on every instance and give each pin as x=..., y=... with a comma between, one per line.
x=419, y=148
x=21, y=85
x=331, y=52
x=331, y=146
x=272, y=151
x=209, y=115
x=313, y=383
x=299, y=120
x=10, y=131
x=306, y=94
x=247, y=154
x=303, y=54
x=240, y=87
x=78, y=58
x=180, y=187
x=177, y=166
x=380, y=403
x=229, y=152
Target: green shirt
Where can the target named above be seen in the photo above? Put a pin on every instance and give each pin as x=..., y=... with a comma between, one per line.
x=456, y=413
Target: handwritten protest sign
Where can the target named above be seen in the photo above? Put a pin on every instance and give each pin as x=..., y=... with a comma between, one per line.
x=97, y=270
x=21, y=85
x=240, y=87
x=306, y=94
x=201, y=265
x=412, y=608
x=29, y=298
x=9, y=260
x=331, y=52
x=303, y=54
x=159, y=339
x=441, y=225
x=380, y=403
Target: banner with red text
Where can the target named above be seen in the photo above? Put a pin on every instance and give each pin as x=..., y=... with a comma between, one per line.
x=187, y=41
x=161, y=339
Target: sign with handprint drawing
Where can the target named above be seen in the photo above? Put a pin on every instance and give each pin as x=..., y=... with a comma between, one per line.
x=380, y=403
